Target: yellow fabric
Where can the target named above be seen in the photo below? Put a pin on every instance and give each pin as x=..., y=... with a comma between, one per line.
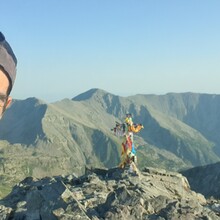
x=129, y=121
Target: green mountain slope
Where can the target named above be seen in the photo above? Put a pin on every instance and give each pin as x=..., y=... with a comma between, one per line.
x=162, y=117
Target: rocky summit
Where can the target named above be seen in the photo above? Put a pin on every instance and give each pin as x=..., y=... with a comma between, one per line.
x=154, y=194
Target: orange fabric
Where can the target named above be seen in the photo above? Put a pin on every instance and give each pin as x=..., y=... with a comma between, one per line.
x=135, y=128
x=126, y=149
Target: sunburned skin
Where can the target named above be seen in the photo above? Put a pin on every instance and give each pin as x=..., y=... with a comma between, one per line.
x=4, y=100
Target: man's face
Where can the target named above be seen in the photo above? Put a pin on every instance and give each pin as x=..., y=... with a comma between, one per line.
x=5, y=100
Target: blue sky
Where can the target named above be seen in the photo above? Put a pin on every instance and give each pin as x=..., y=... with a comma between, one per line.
x=125, y=47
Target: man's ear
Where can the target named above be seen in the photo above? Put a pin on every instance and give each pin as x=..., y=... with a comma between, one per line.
x=8, y=102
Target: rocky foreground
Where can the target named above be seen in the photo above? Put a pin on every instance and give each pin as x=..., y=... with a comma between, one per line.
x=107, y=194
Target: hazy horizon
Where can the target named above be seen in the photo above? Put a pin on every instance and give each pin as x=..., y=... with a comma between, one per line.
x=116, y=94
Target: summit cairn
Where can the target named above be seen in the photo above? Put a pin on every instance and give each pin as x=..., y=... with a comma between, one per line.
x=126, y=130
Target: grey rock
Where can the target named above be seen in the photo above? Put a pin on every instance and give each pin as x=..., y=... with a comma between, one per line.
x=108, y=194
x=5, y=212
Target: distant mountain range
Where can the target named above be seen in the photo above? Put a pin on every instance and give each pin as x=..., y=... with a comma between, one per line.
x=40, y=139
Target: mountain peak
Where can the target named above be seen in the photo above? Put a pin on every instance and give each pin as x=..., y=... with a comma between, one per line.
x=89, y=94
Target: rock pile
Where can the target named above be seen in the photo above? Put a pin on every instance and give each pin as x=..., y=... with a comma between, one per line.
x=106, y=194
